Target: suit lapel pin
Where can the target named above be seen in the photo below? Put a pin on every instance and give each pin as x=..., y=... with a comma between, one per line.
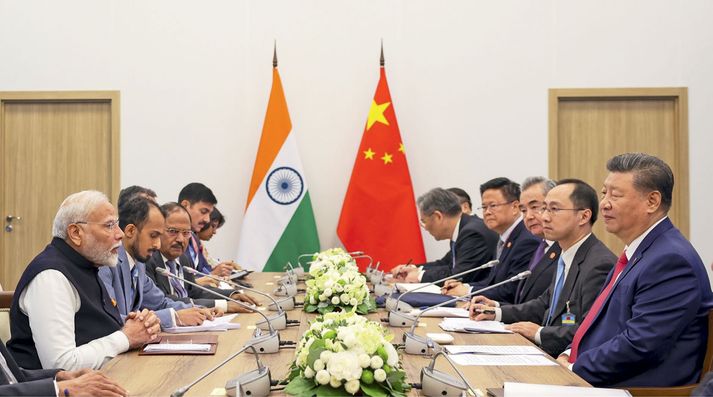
x=509, y=244
x=113, y=302
x=552, y=255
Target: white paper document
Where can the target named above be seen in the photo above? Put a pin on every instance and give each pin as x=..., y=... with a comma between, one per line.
x=513, y=389
x=171, y=347
x=217, y=324
x=403, y=287
x=501, y=360
x=495, y=349
x=467, y=325
x=442, y=312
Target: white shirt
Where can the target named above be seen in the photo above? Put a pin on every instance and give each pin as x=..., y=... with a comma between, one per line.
x=506, y=234
x=219, y=303
x=629, y=251
x=51, y=301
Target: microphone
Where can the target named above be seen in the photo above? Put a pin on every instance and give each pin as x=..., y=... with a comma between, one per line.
x=269, y=343
x=278, y=306
x=393, y=305
x=435, y=383
x=253, y=383
x=415, y=344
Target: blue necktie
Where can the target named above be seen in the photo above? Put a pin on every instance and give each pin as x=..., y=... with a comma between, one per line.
x=134, y=283
x=558, y=289
x=453, y=255
x=177, y=287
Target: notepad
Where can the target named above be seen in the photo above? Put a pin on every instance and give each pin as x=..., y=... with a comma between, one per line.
x=223, y=323
x=513, y=389
x=467, y=325
x=442, y=312
x=501, y=360
x=494, y=349
x=404, y=287
x=173, y=347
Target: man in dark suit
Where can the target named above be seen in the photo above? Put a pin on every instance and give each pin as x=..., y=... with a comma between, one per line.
x=172, y=258
x=515, y=247
x=551, y=319
x=472, y=244
x=649, y=325
x=544, y=260
x=15, y=381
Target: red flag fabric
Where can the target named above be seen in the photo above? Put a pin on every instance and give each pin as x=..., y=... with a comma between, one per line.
x=379, y=213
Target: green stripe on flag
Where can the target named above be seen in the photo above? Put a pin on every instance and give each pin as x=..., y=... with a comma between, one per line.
x=299, y=237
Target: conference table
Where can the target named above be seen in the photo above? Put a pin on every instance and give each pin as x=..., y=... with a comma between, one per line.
x=161, y=375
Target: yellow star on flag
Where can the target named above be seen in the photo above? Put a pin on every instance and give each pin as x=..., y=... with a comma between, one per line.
x=401, y=148
x=387, y=158
x=376, y=113
x=369, y=155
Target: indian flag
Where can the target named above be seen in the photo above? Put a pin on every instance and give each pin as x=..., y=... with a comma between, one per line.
x=279, y=221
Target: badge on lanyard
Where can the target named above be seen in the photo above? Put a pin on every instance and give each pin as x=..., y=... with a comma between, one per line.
x=568, y=318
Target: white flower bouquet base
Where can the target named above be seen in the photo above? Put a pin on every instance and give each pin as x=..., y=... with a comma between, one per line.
x=342, y=354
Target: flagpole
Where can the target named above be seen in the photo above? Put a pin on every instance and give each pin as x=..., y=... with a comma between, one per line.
x=274, y=55
x=381, y=61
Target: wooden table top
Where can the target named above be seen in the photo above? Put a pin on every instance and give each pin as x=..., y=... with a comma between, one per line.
x=161, y=375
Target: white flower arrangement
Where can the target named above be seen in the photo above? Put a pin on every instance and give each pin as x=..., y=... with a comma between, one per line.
x=336, y=284
x=343, y=353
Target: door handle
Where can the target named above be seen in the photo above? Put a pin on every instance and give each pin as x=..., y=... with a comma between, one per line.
x=8, y=225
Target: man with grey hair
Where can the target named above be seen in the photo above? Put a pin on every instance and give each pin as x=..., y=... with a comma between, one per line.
x=62, y=316
x=649, y=325
x=472, y=244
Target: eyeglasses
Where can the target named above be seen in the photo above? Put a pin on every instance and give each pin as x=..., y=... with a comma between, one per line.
x=492, y=207
x=110, y=226
x=173, y=232
x=556, y=210
x=536, y=208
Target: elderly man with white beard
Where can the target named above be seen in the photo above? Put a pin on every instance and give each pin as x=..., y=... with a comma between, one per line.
x=61, y=314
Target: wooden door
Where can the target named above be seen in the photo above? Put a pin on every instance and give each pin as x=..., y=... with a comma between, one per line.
x=53, y=144
x=589, y=126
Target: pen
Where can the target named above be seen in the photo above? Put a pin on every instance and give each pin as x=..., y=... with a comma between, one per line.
x=449, y=287
x=485, y=311
x=400, y=273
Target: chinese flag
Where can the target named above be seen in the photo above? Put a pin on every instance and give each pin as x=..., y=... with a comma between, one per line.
x=379, y=213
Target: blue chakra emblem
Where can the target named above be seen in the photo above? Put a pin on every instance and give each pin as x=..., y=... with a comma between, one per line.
x=284, y=185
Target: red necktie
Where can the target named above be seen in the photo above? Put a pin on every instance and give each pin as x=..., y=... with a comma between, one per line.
x=596, y=307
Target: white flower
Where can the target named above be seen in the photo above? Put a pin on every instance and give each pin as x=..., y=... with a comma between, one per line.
x=353, y=302
x=338, y=288
x=309, y=373
x=334, y=382
x=328, y=292
x=344, y=366
x=379, y=375
x=322, y=298
x=344, y=298
x=325, y=356
x=377, y=362
x=318, y=365
x=312, y=301
x=323, y=377
x=352, y=386
x=393, y=358
x=335, y=300
x=364, y=360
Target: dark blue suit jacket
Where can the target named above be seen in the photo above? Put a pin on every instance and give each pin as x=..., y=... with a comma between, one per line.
x=652, y=329
x=516, y=255
x=38, y=382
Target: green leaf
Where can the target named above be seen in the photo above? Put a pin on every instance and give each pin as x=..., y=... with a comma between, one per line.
x=374, y=390
x=328, y=391
x=300, y=387
x=310, y=308
x=315, y=350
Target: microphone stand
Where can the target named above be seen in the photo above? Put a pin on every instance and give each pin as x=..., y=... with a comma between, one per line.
x=396, y=307
x=260, y=367
x=436, y=383
x=269, y=343
x=415, y=344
